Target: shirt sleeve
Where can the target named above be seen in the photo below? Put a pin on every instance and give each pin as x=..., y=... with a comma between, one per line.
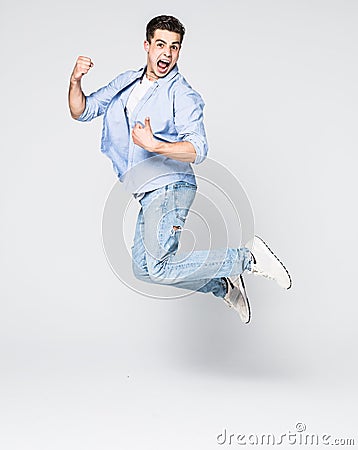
x=189, y=122
x=97, y=102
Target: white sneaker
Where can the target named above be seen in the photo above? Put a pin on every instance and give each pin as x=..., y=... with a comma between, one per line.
x=236, y=298
x=266, y=264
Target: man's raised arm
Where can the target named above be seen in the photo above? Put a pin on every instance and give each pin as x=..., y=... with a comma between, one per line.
x=76, y=97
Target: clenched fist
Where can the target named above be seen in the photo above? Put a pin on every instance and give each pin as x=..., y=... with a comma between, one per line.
x=143, y=136
x=83, y=65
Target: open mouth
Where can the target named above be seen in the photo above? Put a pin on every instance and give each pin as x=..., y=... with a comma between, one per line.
x=163, y=65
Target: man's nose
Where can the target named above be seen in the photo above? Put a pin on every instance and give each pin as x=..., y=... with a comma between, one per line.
x=168, y=52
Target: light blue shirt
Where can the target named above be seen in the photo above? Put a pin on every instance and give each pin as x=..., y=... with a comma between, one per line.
x=176, y=114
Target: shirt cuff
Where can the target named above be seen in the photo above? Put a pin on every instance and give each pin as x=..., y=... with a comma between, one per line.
x=200, y=148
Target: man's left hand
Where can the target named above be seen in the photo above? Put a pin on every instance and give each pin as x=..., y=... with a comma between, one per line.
x=143, y=136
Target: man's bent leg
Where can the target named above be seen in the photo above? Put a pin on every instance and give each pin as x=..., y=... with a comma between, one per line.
x=164, y=214
x=140, y=268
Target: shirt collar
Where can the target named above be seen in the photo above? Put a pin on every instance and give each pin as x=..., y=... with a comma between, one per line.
x=141, y=73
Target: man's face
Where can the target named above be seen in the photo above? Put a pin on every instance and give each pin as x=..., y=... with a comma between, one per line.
x=162, y=53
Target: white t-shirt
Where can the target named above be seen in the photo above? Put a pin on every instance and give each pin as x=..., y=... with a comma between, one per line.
x=134, y=98
x=137, y=94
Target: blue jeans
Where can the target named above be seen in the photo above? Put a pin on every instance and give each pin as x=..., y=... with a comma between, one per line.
x=154, y=252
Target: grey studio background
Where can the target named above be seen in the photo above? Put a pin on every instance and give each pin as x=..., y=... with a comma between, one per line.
x=86, y=363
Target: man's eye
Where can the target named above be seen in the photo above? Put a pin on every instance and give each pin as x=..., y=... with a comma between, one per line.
x=174, y=47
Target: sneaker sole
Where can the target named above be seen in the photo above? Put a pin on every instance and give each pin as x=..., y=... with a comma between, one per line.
x=288, y=274
x=241, y=286
x=244, y=294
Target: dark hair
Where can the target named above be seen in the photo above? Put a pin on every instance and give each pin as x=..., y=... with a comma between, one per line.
x=169, y=23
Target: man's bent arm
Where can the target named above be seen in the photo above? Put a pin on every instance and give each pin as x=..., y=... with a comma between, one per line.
x=181, y=151
x=76, y=99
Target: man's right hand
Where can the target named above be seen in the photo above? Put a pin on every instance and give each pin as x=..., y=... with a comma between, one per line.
x=82, y=66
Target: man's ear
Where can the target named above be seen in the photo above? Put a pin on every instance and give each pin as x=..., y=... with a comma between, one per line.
x=146, y=46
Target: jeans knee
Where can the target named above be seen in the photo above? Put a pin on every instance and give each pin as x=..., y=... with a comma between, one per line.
x=157, y=273
x=140, y=272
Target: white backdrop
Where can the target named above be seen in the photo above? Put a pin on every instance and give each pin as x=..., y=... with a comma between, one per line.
x=88, y=364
